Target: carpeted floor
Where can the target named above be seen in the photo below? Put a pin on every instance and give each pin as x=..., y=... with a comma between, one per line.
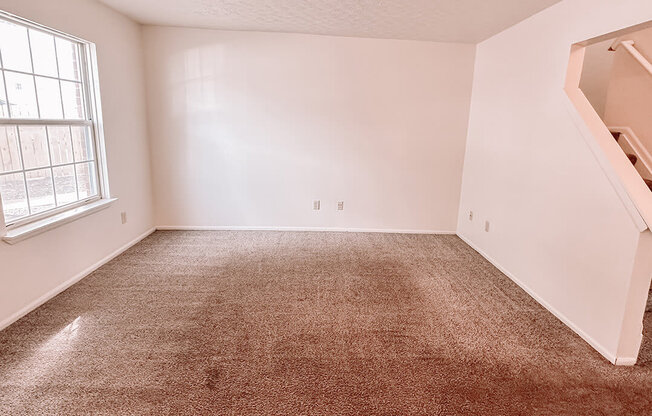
x=271, y=323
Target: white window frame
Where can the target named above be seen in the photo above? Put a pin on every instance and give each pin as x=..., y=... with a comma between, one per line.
x=93, y=119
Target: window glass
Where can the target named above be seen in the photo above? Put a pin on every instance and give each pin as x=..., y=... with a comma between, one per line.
x=68, y=57
x=14, y=197
x=21, y=95
x=40, y=190
x=43, y=53
x=49, y=98
x=14, y=46
x=60, y=144
x=9, y=150
x=47, y=144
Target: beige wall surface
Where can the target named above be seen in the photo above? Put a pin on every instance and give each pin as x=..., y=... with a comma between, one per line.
x=557, y=225
x=598, y=62
x=247, y=129
x=35, y=267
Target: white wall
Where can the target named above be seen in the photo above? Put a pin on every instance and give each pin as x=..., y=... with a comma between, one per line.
x=247, y=129
x=35, y=267
x=557, y=225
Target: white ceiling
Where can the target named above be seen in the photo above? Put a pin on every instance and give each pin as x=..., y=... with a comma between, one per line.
x=437, y=20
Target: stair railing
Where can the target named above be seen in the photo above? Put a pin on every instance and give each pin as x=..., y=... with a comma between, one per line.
x=641, y=153
x=629, y=46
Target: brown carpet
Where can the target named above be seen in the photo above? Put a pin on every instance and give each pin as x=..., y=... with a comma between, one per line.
x=270, y=323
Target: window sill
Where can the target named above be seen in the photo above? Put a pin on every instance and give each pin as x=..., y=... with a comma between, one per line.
x=26, y=231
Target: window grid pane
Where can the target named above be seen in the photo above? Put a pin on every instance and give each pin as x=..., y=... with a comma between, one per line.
x=34, y=145
x=46, y=86
x=40, y=190
x=56, y=170
x=14, y=196
x=21, y=95
x=43, y=166
x=44, y=57
x=65, y=185
x=14, y=45
x=49, y=98
x=10, y=160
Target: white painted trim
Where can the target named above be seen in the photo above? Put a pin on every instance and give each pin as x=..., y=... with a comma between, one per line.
x=586, y=337
x=631, y=360
x=65, y=285
x=314, y=229
x=23, y=232
x=628, y=361
x=605, y=164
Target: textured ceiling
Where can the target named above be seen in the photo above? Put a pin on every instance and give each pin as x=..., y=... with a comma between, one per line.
x=437, y=20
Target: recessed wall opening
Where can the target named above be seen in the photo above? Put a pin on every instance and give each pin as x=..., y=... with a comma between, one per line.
x=609, y=83
x=617, y=81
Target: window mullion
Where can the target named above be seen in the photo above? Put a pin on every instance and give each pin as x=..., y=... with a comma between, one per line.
x=85, y=80
x=31, y=61
x=45, y=122
x=61, y=165
x=47, y=140
x=22, y=165
x=4, y=85
x=17, y=71
x=56, y=59
x=74, y=165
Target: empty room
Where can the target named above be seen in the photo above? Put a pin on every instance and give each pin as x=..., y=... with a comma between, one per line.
x=325, y=207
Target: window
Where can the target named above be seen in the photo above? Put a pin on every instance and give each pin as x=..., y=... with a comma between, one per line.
x=50, y=147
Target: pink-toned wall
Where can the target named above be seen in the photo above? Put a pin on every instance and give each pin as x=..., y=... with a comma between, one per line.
x=247, y=129
x=557, y=225
x=36, y=268
x=598, y=62
x=629, y=95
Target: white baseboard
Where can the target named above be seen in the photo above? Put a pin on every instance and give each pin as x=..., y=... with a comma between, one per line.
x=631, y=360
x=595, y=344
x=313, y=229
x=65, y=285
x=625, y=361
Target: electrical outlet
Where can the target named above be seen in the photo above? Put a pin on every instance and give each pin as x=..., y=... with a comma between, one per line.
x=340, y=206
x=123, y=217
x=316, y=205
x=486, y=226
x=470, y=215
